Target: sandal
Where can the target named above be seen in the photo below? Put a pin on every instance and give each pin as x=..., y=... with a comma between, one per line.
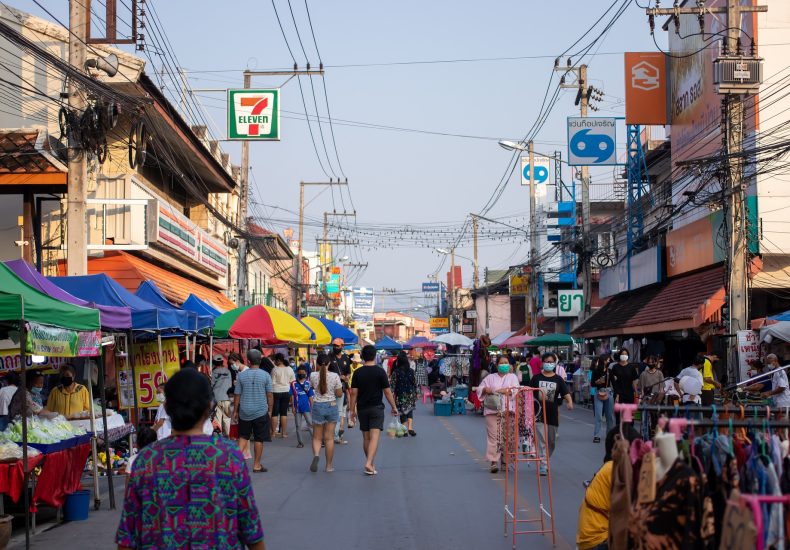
x=314, y=464
x=260, y=471
x=370, y=472
x=494, y=468
x=412, y=433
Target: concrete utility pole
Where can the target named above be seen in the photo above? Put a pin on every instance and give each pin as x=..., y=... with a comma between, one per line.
x=452, y=289
x=732, y=130
x=488, y=315
x=77, y=191
x=475, y=276
x=581, y=85
x=532, y=315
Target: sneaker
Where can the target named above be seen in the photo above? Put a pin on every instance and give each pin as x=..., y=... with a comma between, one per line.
x=339, y=441
x=544, y=470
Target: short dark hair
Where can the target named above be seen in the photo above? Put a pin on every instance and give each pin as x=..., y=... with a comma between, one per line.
x=233, y=356
x=699, y=360
x=547, y=355
x=69, y=367
x=254, y=356
x=188, y=365
x=188, y=397
x=13, y=378
x=200, y=359
x=301, y=367
x=31, y=378
x=279, y=358
x=368, y=353
x=322, y=359
x=145, y=436
x=629, y=433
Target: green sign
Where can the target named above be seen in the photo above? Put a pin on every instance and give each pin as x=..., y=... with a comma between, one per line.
x=254, y=114
x=315, y=311
x=52, y=341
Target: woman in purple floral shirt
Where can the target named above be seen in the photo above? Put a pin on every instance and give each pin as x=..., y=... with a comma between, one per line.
x=190, y=490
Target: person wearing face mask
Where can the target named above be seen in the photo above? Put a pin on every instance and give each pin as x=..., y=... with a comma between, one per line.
x=491, y=391
x=651, y=384
x=302, y=394
x=36, y=387
x=340, y=364
x=624, y=379
x=33, y=380
x=780, y=392
x=68, y=398
x=554, y=390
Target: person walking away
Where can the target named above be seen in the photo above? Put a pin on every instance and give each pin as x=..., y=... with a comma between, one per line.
x=162, y=424
x=327, y=386
x=592, y=530
x=420, y=371
x=554, y=390
x=68, y=398
x=404, y=387
x=266, y=364
x=603, y=401
x=282, y=376
x=492, y=390
x=535, y=363
x=252, y=403
x=221, y=382
x=190, y=490
x=302, y=394
x=6, y=393
x=369, y=386
x=624, y=378
x=780, y=391
x=709, y=381
x=340, y=364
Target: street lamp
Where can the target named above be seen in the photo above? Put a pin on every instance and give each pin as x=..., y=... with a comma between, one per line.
x=513, y=145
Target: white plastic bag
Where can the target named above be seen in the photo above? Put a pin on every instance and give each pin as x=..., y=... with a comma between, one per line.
x=392, y=428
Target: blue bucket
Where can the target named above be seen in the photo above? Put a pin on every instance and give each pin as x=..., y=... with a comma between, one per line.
x=76, y=506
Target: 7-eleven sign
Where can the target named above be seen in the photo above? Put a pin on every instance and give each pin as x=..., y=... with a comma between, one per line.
x=254, y=114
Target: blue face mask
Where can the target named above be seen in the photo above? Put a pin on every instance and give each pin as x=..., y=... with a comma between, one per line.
x=549, y=367
x=37, y=391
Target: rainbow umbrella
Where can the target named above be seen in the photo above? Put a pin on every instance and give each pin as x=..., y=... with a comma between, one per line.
x=326, y=331
x=267, y=324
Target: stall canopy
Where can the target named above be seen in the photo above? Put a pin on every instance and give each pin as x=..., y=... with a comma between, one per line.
x=22, y=301
x=193, y=303
x=388, y=344
x=500, y=338
x=420, y=342
x=326, y=330
x=781, y=317
x=112, y=317
x=517, y=341
x=102, y=289
x=453, y=339
x=552, y=340
x=780, y=330
x=149, y=292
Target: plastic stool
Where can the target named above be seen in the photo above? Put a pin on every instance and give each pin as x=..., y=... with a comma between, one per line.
x=426, y=394
x=459, y=406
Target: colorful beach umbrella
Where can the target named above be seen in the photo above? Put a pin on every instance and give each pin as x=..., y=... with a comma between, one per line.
x=267, y=324
x=327, y=330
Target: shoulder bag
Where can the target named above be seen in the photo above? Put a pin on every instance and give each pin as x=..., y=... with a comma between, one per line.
x=493, y=402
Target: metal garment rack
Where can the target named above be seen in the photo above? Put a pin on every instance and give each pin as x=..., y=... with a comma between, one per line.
x=521, y=399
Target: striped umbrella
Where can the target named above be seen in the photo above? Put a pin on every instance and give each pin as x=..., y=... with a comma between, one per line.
x=267, y=324
x=326, y=331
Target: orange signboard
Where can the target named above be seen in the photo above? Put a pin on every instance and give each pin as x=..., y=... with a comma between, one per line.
x=646, y=88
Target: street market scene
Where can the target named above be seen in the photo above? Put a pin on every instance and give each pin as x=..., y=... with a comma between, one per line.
x=422, y=275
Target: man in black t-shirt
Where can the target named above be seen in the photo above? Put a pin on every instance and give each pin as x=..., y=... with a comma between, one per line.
x=340, y=364
x=369, y=385
x=555, y=391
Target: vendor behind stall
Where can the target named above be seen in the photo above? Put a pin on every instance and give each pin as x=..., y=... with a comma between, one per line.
x=68, y=398
x=33, y=380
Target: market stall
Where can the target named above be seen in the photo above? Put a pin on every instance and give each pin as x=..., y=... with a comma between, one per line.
x=269, y=325
x=47, y=327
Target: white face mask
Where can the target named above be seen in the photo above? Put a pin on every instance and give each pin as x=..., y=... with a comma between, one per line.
x=160, y=397
x=623, y=358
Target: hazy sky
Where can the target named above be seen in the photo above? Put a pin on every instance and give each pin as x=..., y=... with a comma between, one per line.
x=398, y=177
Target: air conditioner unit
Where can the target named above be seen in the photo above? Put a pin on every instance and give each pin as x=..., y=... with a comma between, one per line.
x=738, y=75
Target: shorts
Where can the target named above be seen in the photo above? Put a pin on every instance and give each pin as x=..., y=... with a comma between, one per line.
x=281, y=402
x=325, y=413
x=408, y=416
x=259, y=429
x=371, y=418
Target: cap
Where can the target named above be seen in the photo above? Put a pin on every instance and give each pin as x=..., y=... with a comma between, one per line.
x=356, y=358
x=218, y=358
x=338, y=342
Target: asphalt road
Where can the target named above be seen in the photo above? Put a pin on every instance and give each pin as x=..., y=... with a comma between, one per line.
x=433, y=491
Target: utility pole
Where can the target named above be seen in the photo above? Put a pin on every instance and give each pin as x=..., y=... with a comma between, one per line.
x=475, y=276
x=532, y=316
x=452, y=289
x=77, y=246
x=732, y=130
x=298, y=287
x=488, y=316
x=583, y=101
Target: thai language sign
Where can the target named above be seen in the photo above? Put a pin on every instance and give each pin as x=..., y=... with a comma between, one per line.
x=150, y=371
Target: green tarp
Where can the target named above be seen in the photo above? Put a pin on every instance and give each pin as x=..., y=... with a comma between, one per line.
x=551, y=340
x=20, y=301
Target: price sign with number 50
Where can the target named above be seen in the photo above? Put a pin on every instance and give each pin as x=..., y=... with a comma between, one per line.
x=148, y=370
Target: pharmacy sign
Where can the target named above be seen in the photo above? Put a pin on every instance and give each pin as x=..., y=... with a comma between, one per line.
x=254, y=114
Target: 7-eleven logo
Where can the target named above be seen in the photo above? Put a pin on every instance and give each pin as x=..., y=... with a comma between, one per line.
x=253, y=114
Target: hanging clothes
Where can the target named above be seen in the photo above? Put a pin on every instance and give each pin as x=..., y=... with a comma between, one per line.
x=620, y=509
x=673, y=519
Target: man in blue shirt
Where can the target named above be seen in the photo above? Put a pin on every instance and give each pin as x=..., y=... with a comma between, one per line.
x=302, y=394
x=252, y=403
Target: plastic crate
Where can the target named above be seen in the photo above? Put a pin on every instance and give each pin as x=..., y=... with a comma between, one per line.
x=442, y=408
x=461, y=391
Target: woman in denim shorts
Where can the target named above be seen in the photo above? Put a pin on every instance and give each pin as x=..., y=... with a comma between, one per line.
x=327, y=387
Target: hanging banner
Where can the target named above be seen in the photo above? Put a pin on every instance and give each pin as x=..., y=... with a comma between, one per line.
x=748, y=350
x=646, y=90
x=148, y=372
x=52, y=341
x=11, y=360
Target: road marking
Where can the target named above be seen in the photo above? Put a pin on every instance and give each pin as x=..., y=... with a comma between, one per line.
x=562, y=542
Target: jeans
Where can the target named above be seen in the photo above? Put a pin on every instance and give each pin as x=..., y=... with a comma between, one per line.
x=341, y=412
x=298, y=417
x=601, y=406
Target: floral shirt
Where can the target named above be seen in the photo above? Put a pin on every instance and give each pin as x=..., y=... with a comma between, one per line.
x=189, y=492
x=404, y=389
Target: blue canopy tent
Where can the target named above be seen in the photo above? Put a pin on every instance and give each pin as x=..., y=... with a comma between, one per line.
x=102, y=289
x=193, y=303
x=780, y=317
x=149, y=292
x=388, y=344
